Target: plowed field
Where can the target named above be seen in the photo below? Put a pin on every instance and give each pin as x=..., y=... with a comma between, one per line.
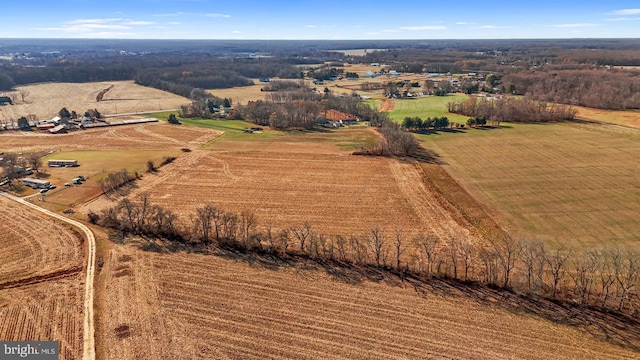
x=40, y=280
x=184, y=306
x=337, y=194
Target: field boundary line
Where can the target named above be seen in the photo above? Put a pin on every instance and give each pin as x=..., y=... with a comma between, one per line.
x=88, y=338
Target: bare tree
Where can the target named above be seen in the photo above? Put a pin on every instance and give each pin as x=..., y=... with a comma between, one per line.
x=533, y=260
x=35, y=161
x=428, y=244
x=605, y=273
x=376, y=244
x=302, y=234
x=270, y=237
x=358, y=249
x=507, y=250
x=626, y=273
x=399, y=247
x=557, y=260
x=453, y=254
x=248, y=222
x=340, y=243
x=204, y=219
x=284, y=240
x=468, y=252
x=583, y=276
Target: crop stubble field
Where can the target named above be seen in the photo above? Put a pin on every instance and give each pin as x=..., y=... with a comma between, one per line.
x=45, y=100
x=336, y=193
x=41, y=280
x=568, y=184
x=183, y=306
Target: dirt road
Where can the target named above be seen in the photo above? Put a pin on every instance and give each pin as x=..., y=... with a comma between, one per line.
x=88, y=351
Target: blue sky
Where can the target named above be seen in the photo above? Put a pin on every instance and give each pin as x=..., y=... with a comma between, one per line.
x=320, y=19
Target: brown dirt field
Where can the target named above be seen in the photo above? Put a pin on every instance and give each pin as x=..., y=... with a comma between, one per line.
x=337, y=194
x=387, y=105
x=33, y=246
x=133, y=137
x=41, y=280
x=185, y=306
x=45, y=100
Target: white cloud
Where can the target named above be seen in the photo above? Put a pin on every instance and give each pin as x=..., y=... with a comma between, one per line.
x=624, y=19
x=462, y=23
x=180, y=13
x=425, y=27
x=139, y=23
x=175, y=23
x=98, y=28
x=575, y=25
x=310, y=26
x=373, y=33
x=492, y=27
x=172, y=14
x=626, y=12
x=237, y=32
x=92, y=21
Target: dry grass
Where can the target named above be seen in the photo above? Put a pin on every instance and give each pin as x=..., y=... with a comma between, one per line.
x=45, y=100
x=568, y=184
x=629, y=118
x=241, y=95
x=181, y=305
x=40, y=280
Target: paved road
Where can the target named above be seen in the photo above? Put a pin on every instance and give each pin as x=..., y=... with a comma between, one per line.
x=89, y=349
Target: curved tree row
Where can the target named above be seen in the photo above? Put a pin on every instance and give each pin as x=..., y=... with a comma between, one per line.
x=606, y=277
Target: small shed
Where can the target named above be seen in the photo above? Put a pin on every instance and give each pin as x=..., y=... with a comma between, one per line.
x=60, y=129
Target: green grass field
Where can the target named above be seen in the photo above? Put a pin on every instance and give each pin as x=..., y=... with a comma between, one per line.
x=433, y=106
x=571, y=184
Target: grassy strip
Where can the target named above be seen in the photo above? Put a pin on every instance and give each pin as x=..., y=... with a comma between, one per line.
x=463, y=207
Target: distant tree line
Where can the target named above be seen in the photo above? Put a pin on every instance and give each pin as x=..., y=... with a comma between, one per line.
x=176, y=73
x=512, y=109
x=596, y=88
x=301, y=108
x=606, y=278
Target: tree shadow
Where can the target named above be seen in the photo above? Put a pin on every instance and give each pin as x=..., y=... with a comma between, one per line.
x=610, y=326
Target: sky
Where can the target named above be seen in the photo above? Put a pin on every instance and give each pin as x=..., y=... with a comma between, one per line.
x=319, y=20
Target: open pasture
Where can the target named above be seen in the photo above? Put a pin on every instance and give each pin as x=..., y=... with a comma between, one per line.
x=45, y=100
x=568, y=184
x=432, y=106
x=212, y=307
x=40, y=280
